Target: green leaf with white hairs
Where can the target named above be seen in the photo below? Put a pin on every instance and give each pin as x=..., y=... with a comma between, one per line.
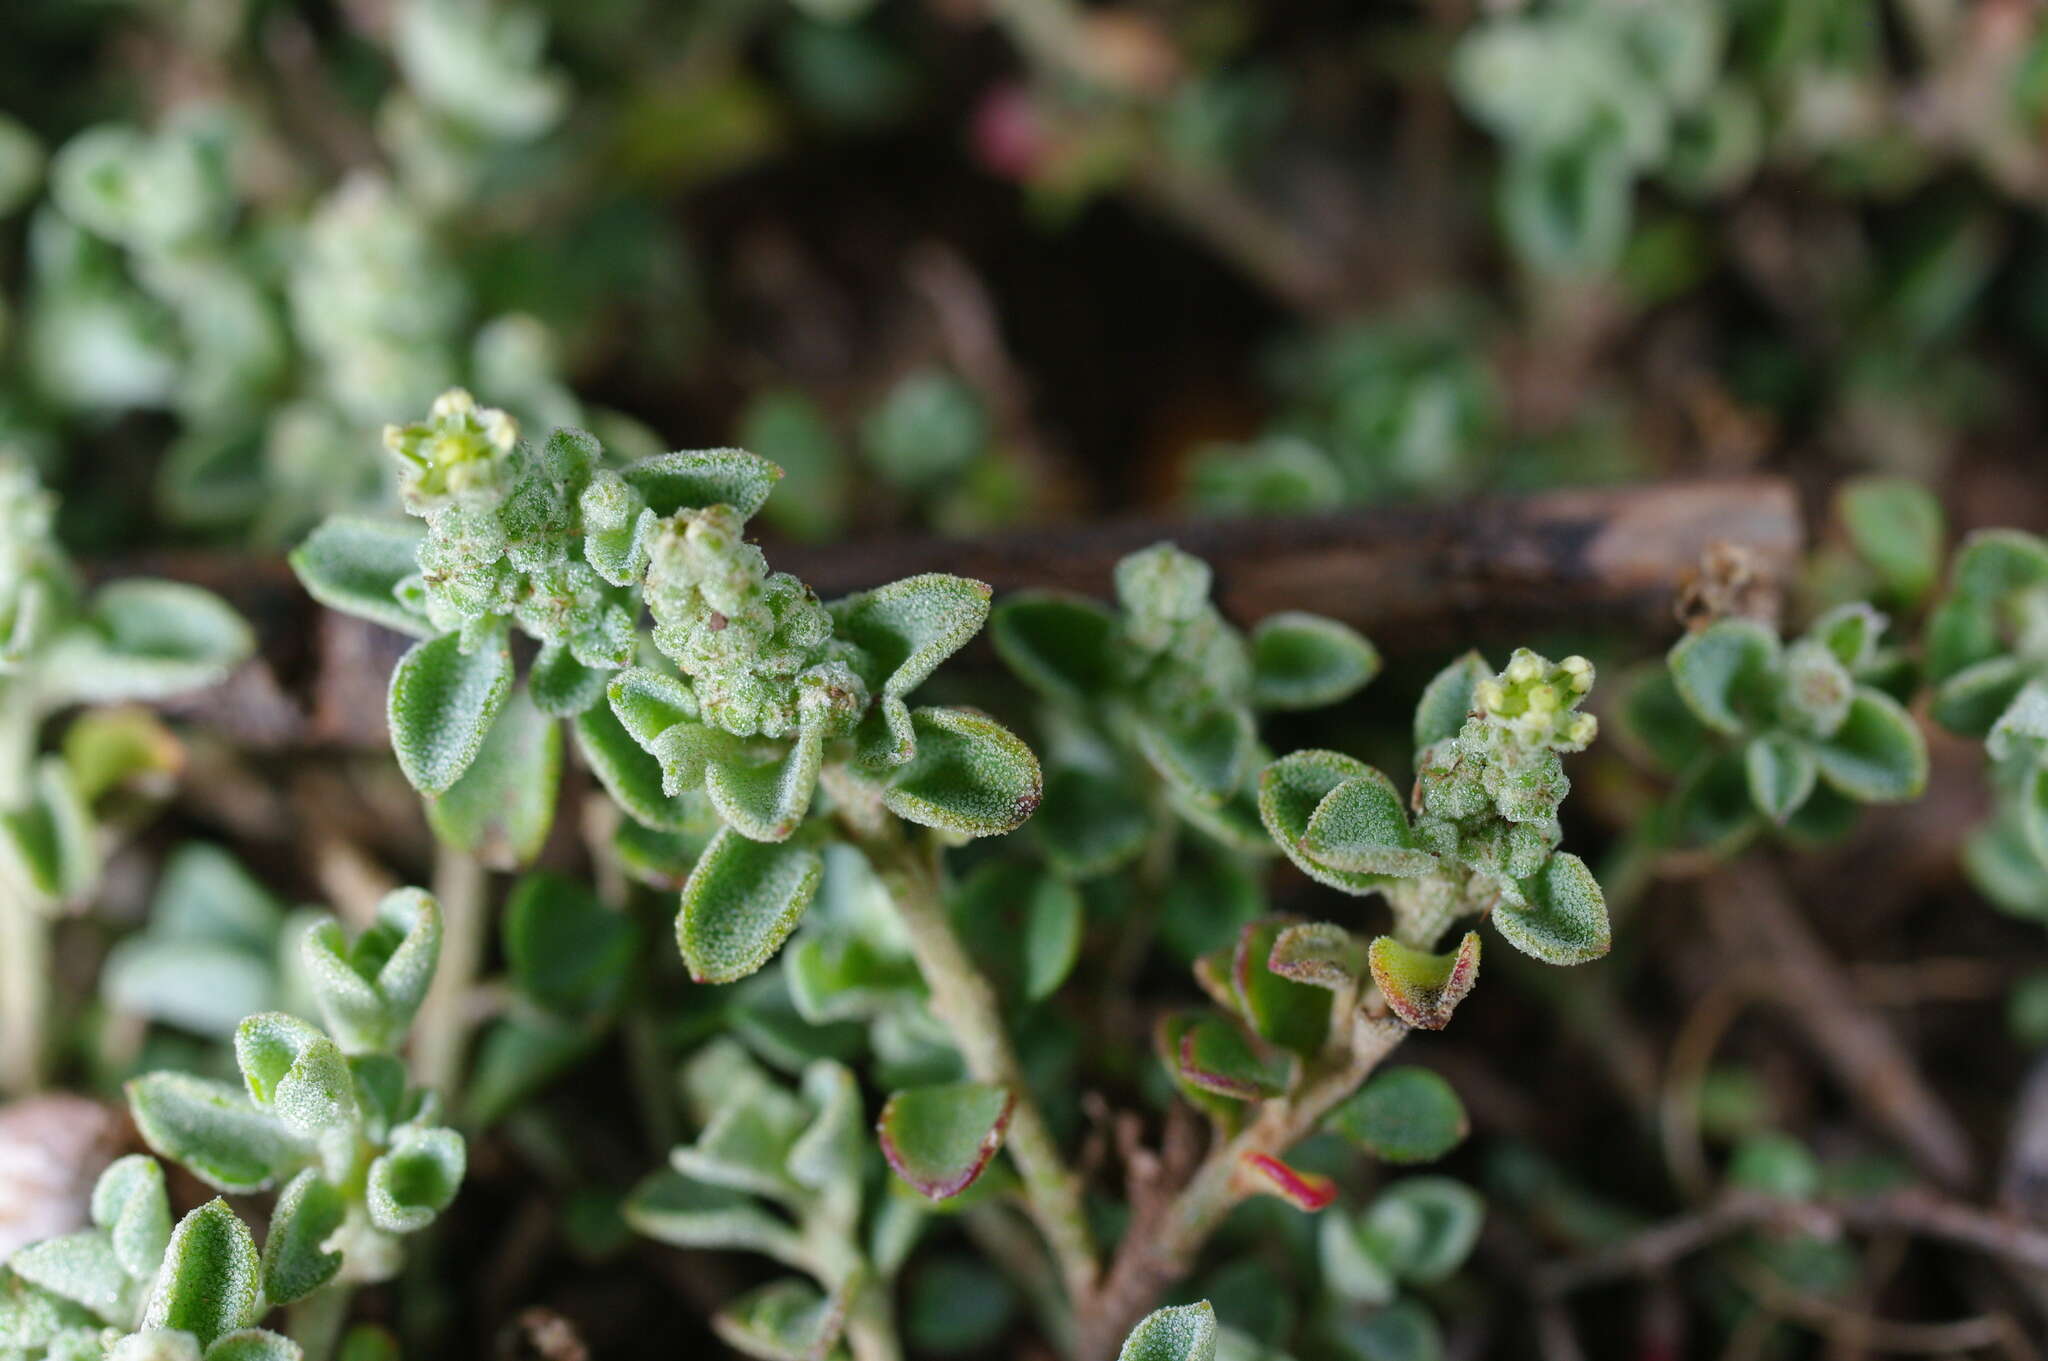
x=1727, y=672
x=1218, y=1057
x=1424, y=988
x=1448, y=699
x=1060, y=645
x=1304, y=661
x=1971, y=701
x=687, y=1213
x=563, y=687
x=1206, y=757
x=1351, y=1265
x=442, y=704
x=213, y=1130
x=564, y=949
x=130, y=1203
x=969, y=775
x=354, y=563
x=156, y=1344
x=415, y=1179
x=787, y=1320
x=1852, y=633
x=500, y=808
x=741, y=902
x=255, y=1344
x=1896, y=526
x=695, y=479
x=146, y=640
x=1182, y=1333
x=50, y=841
x=83, y=1268
x=1564, y=920
x=747, y=1143
x=1291, y=1014
x=1781, y=772
x=1090, y=822
x=940, y=1138
x=828, y=1152
x=647, y=702
x=1320, y=954
x=1403, y=1114
x=295, y=1260
x=903, y=631
x=1290, y=791
x=212, y=1279
x=628, y=773
x=369, y=989
x=294, y=1071
x=1425, y=1227
x=768, y=801
x=1878, y=755
x=1361, y=827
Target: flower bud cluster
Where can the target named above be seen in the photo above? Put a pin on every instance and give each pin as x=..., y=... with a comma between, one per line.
x=1183, y=656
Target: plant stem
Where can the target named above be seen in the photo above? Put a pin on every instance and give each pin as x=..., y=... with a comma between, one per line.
x=871, y=1325
x=24, y=932
x=442, y=1034
x=1160, y=1249
x=315, y=1321
x=963, y=1000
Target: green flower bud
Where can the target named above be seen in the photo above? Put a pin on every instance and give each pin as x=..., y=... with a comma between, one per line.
x=460, y=452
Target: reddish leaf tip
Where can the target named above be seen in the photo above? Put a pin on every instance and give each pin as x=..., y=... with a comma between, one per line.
x=1306, y=1191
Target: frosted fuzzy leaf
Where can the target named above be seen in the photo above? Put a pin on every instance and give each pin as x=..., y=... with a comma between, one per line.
x=563, y=687
x=255, y=1344
x=632, y=777
x=80, y=1267
x=1293, y=1015
x=1161, y=587
x=155, y=1344
x=1896, y=526
x=1061, y=645
x=617, y=527
x=415, y=1179
x=969, y=775
x=369, y=990
x=1877, y=755
x=1564, y=920
x=828, y=1152
x=460, y=451
x=295, y=1262
x=1205, y=756
x=1403, y=1115
x=500, y=808
x=442, y=704
x=1781, y=774
x=51, y=841
x=1304, y=661
x=1183, y=1333
x=1168, y=1037
x=356, y=563
x=1290, y=791
x=212, y=1278
x=1727, y=672
x=741, y=902
x=1425, y=1227
x=1320, y=954
x=747, y=1143
x=692, y=480
x=145, y=640
x=130, y=1203
x=213, y=1131
x=1361, y=826
x=765, y=802
x=1423, y=988
x=938, y=1139
x=1449, y=699
x=1090, y=823
x=297, y=1074
x=1217, y=1057
x=787, y=1320
x=902, y=632
x=2021, y=732
x=675, y=1209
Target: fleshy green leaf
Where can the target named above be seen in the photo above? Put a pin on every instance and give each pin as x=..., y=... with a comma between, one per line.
x=1447, y=700
x=1090, y=822
x=500, y=808
x=904, y=630
x=1895, y=525
x=353, y=563
x=1217, y=1057
x=1304, y=661
x=1361, y=827
x=50, y=841
x=563, y=687
x=1781, y=774
x=741, y=903
x=767, y=801
x=212, y=1130
x=1565, y=919
x=368, y=991
x=1205, y=758
x=629, y=774
x=786, y=1320
x=828, y=1152
x=970, y=775
x=255, y=1344
x=565, y=950
x=416, y=1179
x=1422, y=988
x=130, y=1203
x=1292, y=1015
x=1290, y=791
x=297, y=1074
x=1184, y=1333
x=1425, y=1226
x=1320, y=954
x=1726, y=672
x=1656, y=722
x=146, y=640
x=1169, y=1034
x=1403, y=1114
x=704, y=477
x=1060, y=645
x=442, y=705
x=938, y=1139
x=690, y=1214
x=1878, y=754
x=80, y=1267
x=295, y=1262
x=212, y=1280
x=1970, y=701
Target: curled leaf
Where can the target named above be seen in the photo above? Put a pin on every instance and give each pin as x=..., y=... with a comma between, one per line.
x=212, y=1280
x=741, y=902
x=1564, y=920
x=442, y=704
x=1422, y=988
x=1305, y=1191
x=938, y=1139
x=1290, y=791
x=969, y=775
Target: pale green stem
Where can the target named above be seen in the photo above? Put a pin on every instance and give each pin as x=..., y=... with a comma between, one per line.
x=965, y=1003
x=24, y=930
x=871, y=1325
x=441, y=1035
x=315, y=1322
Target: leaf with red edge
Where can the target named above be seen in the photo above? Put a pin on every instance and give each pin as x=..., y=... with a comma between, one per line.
x=1214, y=972
x=1290, y=1014
x=1228, y=1112
x=1320, y=954
x=1422, y=988
x=1305, y=1191
x=938, y=1139
x=1217, y=1057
